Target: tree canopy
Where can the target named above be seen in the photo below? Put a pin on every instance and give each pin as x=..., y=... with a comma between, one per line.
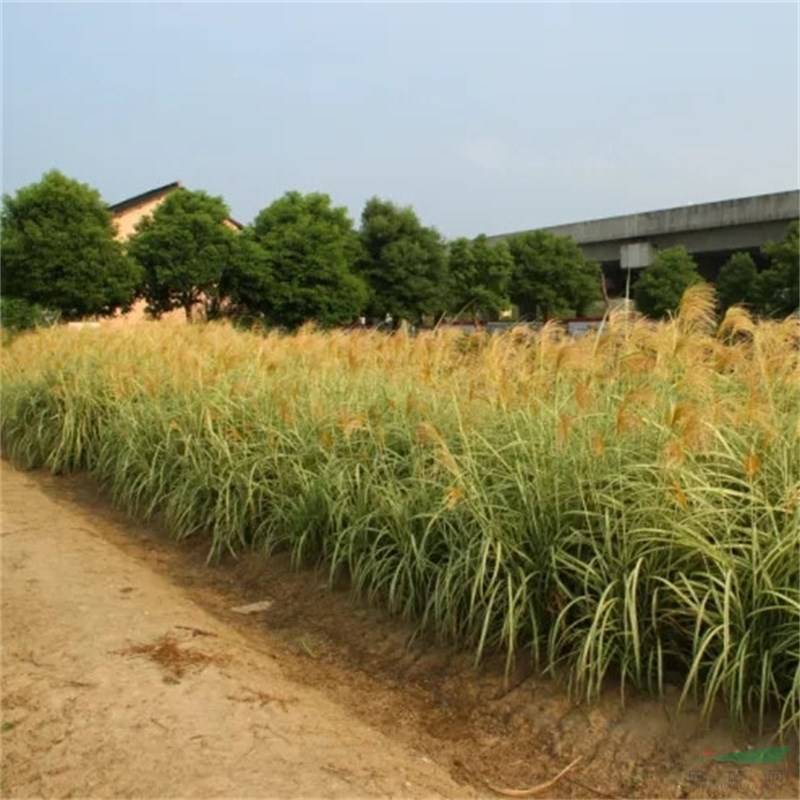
x=659, y=289
x=737, y=282
x=302, y=259
x=59, y=250
x=403, y=262
x=246, y=286
x=552, y=277
x=310, y=248
x=184, y=248
x=480, y=275
x=779, y=284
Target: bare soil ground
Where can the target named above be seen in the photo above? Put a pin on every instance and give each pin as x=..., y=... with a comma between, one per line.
x=126, y=673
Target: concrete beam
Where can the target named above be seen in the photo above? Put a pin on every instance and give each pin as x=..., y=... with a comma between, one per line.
x=779, y=207
x=743, y=222
x=745, y=237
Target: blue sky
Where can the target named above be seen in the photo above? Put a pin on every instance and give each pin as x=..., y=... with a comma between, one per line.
x=484, y=117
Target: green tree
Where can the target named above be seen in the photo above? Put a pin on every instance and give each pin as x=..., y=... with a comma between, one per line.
x=737, y=282
x=59, y=250
x=480, y=274
x=552, y=277
x=659, y=289
x=403, y=261
x=20, y=315
x=779, y=284
x=310, y=248
x=247, y=283
x=184, y=247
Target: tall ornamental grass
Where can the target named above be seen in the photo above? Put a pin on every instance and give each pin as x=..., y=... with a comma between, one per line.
x=622, y=506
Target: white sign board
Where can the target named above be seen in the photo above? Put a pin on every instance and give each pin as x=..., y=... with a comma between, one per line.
x=636, y=255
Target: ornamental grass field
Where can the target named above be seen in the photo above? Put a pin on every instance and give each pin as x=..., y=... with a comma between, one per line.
x=623, y=507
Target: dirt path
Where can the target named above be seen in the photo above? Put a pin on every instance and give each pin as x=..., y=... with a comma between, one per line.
x=115, y=684
x=126, y=673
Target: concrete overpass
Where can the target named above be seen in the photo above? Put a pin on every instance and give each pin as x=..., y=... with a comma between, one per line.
x=711, y=232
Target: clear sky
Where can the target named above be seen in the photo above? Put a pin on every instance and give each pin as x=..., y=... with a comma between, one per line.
x=485, y=117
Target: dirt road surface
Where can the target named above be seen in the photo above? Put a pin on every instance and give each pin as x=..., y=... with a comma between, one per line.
x=116, y=685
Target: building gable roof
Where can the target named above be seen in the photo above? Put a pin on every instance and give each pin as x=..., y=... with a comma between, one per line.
x=144, y=197
x=154, y=194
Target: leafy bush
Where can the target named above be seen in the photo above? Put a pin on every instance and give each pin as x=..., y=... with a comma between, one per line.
x=19, y=315
x=659, y=288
